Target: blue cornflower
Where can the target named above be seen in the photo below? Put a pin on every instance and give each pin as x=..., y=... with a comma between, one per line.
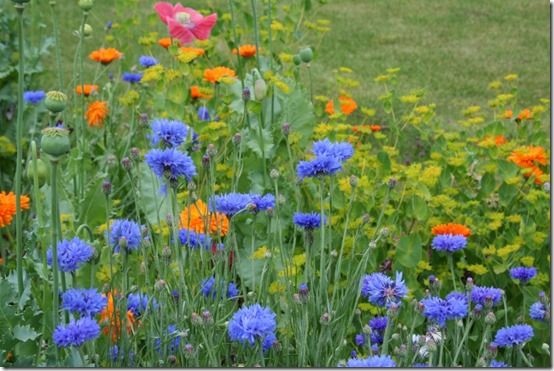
x=498, y=364
x=232, y=291
x=420, y=365
x=125, y=233
x=378, y=323
x=232, y=203
x=514, y=335
x=340, y=150
x=170, y=133
x=269, y=341
x=538, y=311
x=523, y=274
x=86, y=302
x=376, y=337
x=308, y=220
x=172, y=333
x=203, y=114
x=76, y=332
x=251, y=323
x=322, y=165
x=131, y=77
x=147, y=61
x=170, y=163
x=193, y=239
x=371, y=361
x=115, y=354
x=262, y=203
x=359, y=339
x=457, y=295
x=449, y=242
x=207, y=287
x=381, y=290
x=34, y=97
x=137, y=303
x=481, y=295
x=457, y=307
x=71, y=254
x=440, y=310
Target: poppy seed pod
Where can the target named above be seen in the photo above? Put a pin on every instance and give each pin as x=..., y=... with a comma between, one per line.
x=297, y=60
x=306, y=55
x=55, y=141
x=55, y=101
x=42, y=171
x=87, y=30
x=86, y=5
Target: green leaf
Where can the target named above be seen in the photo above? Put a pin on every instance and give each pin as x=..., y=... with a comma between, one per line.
x=298, y=112
x=24, y=333
x=254, y=143
x=408, y=251
x=383, y=158
x=152, y=202
x=417, y=208
x=488, y=184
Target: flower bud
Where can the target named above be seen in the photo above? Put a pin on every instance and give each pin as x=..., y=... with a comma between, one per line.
x=107, y=187
x=172, y=360
x=236, y=138
x=297, y=60
x=260, y=89
x=87, y=30
x=55, y=141
x=469, y=284
x=55, y=101
x=490, y=318
x=135, y=153
x=246, y=95
x=366, y=330
x=392, y=183
x=286, y=129
x=86, y=5
x=160, y=285
x=166, y=252
x=546, y=348
x=211, y=150
x=205, y=160
x=42, y=171
x=274, y=174
x=546, y=187
x=126, y=163
x=207, y=317
x=492, y=348
x=325, y=318
x=353, y=181
x=189, y=350
x=306, y=55
x=196, y=319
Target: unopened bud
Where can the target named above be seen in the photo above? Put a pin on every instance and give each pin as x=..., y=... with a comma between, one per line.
x=166, y=252
x=196, y=319
x=325, y=318
x=286, y=129
x=274, y=173
x=172, y=360
x=135, y=153
x=490, y=318
x=207, y=317
x=211, y=150
x=106, y=187
x=126, y=163
x=160, y=285
x=392, y=183
x=353, y=181
x=236, y=138
x=246, y=94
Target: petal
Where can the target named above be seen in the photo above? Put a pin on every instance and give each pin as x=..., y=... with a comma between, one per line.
x=164, y=10
x=180, y=32
x=203, y=29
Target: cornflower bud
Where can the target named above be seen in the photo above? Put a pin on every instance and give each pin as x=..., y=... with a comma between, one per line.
x=160, y=285
x=135, y=153
x=353, y=181
x=196, y=319
x=325, y=318
x=246, y=94
x=490, y=318
x=274, y=173
x=392, y=183
x=286, y=129
x=207, y=317
x=126, y=163
x=106, y=187
x=236, y=138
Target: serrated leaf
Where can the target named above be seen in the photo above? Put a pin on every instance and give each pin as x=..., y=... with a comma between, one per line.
x=24, y=333
x=408, y=251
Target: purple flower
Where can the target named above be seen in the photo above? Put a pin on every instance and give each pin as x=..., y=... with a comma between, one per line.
x=381, y=290
x=86, y=302
x=170, y=133
x=231, y=203
x=449, y=242
x=138, y=303
x=131, y=78
x=171, y=335
x=440, y=310
x=194, y=240
x=309, y=220
x=514, y=335
x=71, y=254
x=34, y=97
x=269, y=341
x=482, y=295
x=251, y=323
x=538, y=311
x=323, y=165
x=171, y=164
x=147, y=61
x=498, y=364
x=523, y=274
x=359, y=339
x=125, y=232
x=371, y=361
x=76, y=332
x=340, y=150
x=378, y=324
x=203, y=114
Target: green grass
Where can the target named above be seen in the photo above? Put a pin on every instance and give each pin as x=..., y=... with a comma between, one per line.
x=451, y=48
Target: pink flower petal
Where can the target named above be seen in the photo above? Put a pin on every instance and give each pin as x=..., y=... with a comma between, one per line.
x=203, y=29
x=180, y=32
x=164, y=10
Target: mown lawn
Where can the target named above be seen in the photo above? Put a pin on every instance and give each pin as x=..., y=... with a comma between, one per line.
x=452, y=48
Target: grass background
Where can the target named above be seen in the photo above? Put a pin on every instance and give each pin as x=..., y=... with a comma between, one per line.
x=451, y=48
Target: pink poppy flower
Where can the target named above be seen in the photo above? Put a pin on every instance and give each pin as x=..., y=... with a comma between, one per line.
x=185, y=24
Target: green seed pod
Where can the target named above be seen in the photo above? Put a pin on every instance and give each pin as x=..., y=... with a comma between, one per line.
x=297, y=60
x=42, y=171
x=55, y=101
x=306, y=55
x=55, y=141
x=21, y=2
x=260, y=89
x=87, y=30
x=86, y=5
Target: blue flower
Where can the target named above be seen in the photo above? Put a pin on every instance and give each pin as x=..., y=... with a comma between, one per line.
x=193, y=239
x=171, y=333
x=498, y=364
x=232, y=291
x=264, y=202
x=34, y=97
x=132, y=78
x=420, y=365
x=440, y=310
x=378, y=324
x=538, y=311
x=86, y=302
x=251, y=323
x=341, y=150
x=359, y=339
x=523, y=274
x=138, y=303
x=308, y=220
x=449, y=242
x=322, y=165
x=371, y=361
x=514, y=335
x=207, y=287
x=76, y=332
x=170, y=163
x=125, y=232
x=203, y=114
x=457, y=295
x=457, y=307
x=381, y=290
x=269, y=341
x=232, y=203
x=71, y=254
x=147, y=61
x=115, y=354
x=481, y=295
x=170, y=133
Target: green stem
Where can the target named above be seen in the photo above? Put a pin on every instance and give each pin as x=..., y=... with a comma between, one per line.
x=451, y=265
x=54, y=228
x=386, y=337
x=322, y=293
x=460, y=346
x=525, y=359
x=18, y=169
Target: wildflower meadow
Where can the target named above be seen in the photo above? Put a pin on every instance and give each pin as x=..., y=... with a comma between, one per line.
x=178, y=192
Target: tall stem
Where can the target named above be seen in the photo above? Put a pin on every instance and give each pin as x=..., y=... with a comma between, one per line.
x=54, y=228
x=451, y=265
x=18, y=169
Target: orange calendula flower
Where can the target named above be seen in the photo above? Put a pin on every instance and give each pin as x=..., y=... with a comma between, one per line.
x=246, y=51
x=347, y=105
x=165, y=42
x=88, y=89
x=8, y=207
x=97, y=113
x=525, y=115
x=105, y=56
x=500, y=140
x=110, y=319
x=375, y=128
x=451, y=228
x=218, y=74
x=197, y=218
x=529, y=158
x=197, y=92
x=508, y=114
x=196, y=51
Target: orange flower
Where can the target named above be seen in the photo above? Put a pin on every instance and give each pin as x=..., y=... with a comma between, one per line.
x=535, y=171
x=197, y=93
x=105, y=56
x=451, y=228
x=196, y=216
x=87, y=88
x=375, y=128
x=218, y=74
x=347, y=105
x=111, y=319
x=507, y=114
x=500, y=140
x=528, y=156
x=525, y=115
x=97, y=113
x=165, y=42
x=330, y=108
x=196, y=51
x=8, y=209
x=246, y=51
